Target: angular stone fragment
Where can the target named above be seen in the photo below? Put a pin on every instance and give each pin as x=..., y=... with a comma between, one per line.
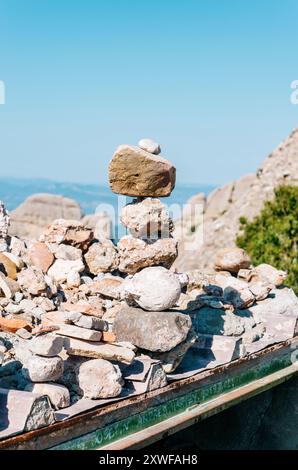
x=40, y=256
x=147, y=219
x=235, y=291
x=102, y=257
x=61, y=269
x=70, y=232
x=136, y=254
x=58, y=394
x=66, y=252
x=43, y=369
x=153, y=289
x=153, y=331
x=218, y=347
x=80, y=333
x=87, y=308
x=232, y=260
x=149, y=145
x=99, y=378
x=135, y=172
x=172, y=359
x=282, y=301
x=25, y=411
x=109, y=286
x=12, y=325
x=265, y=272
x=8, y=267
x=111, y=352
x=32, y=281
x=8, y=287
x=48, y=345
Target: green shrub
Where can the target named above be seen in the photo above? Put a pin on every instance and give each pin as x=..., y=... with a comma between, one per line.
x=272, y=237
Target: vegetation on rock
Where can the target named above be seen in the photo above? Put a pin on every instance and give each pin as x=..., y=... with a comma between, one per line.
x=272, y=237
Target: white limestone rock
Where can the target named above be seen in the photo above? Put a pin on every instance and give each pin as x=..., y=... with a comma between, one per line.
x=153, y=289
x=99, y=378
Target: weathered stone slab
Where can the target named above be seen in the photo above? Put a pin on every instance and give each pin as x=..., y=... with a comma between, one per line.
x=58, y=394
x=218, y=347
x=47, y=345
x=75, y=347
x=78, y=332
x=153, y=331
x=220, y=322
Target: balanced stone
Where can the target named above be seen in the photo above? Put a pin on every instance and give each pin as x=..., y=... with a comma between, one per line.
x=147, y=219
x=135, y=172
x=99, y=378
x=149, y=145
x=153, y=331
x=102, y=257
x=136, y=254
x=153, y=289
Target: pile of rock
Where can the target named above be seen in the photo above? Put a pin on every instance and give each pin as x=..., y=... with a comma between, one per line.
x=78, y=312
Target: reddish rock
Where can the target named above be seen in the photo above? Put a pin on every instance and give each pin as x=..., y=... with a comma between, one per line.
x=40, y=256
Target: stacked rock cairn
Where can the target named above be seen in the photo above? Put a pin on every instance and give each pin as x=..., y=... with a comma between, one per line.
x=77, y=312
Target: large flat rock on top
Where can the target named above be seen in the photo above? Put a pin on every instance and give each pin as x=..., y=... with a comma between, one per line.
x=153, y=331
x=135, y=172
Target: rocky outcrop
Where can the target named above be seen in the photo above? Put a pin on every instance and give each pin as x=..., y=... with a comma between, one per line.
x=39, y=210
x=244, y=197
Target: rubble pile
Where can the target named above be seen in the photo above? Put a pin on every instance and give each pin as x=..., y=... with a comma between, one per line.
x=80, y=314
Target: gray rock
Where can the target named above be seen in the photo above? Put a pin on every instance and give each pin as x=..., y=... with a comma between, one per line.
x=47, y=345
x=78, y=332
x=43, y=369
x=153, y=289
x=153, y=331
x=98, y=378
x=172, y=359
x=210, y=321
x=58, y=394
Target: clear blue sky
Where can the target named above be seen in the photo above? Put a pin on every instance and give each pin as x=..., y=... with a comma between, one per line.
x=209, y=80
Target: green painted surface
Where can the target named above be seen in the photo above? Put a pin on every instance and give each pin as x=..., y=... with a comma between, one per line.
x=156, y=414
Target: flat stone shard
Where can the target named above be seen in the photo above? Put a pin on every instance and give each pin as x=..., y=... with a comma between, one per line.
x=99, y=378
x=75, y=347
x=147, y=219
x=232, y=260
x=153, y=289
x=102, y=257
x=43, y=369
x=150, y=146
x=135, y=172
x=78, y=332
x=136, y=254
x=153, y=331
x=48, y=345
x=58, y=394
x=109, y=286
